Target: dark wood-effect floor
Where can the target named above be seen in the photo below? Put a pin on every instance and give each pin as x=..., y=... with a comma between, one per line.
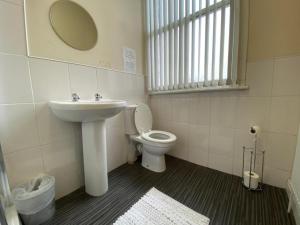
x=217, y=195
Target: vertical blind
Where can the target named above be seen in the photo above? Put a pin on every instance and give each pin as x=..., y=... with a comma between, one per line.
x=191, y=43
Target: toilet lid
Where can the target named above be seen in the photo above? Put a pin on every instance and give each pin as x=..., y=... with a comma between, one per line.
x=143, y=118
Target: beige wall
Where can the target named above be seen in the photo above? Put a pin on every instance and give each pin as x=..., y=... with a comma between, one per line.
x=119, y=24
x=274, y=29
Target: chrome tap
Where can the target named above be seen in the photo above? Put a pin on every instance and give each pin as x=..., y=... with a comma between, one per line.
x=75, y=97
x=98, y=97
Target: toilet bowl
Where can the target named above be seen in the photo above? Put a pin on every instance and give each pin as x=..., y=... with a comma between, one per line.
x=154, y=143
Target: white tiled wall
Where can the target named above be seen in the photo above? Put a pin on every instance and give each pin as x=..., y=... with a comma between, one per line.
x=212, y=127
x=33, y=139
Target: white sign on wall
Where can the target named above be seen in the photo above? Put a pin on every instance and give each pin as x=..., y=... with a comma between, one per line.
x=129, y=60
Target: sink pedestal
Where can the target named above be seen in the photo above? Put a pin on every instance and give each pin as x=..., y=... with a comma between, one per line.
x=94, y=157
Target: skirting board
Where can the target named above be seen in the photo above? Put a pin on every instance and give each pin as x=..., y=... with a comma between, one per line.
x=294, y=201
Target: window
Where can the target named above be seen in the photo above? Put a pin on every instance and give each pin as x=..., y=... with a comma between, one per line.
x=191, y=44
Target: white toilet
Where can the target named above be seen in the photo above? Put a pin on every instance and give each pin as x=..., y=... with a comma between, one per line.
x=154, y=143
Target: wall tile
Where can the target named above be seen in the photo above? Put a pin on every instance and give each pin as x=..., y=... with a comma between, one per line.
x=103, y=82
x=199, y=110
x=125, y=85
x=63, y=160
x=276, y=177
x=180, y=149
x=12, y=29
x=223, y=111
x=50, y=127
x=180, y=109
x=110, y=84
x=140, y=86
x=155, y=108
x=61, y=154
x=252, y=111
x=116, y=121
x=284, y=114
x=221, y=163
x=83, y=81
x=15, y=84
x=18, y=128
x=198, y=156
x=50, y=80
x=221, y=141
x=287, y=76
x=165, y=108
x=259, y=78
x=280, y=151
x=23, y=165
x=198, y=139
x=116, y=151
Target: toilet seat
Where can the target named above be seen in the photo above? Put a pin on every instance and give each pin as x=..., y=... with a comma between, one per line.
x=159, y=136
x=143, y=123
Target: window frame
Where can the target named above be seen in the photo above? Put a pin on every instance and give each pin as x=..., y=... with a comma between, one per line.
x=232, y=81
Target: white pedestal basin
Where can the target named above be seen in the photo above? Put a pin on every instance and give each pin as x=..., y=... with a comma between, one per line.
x=92, y=115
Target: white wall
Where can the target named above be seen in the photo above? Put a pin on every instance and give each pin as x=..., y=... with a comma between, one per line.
x=296, y=181
x=33, y=139
x=213, y=127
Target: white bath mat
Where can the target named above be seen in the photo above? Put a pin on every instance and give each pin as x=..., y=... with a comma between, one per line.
x=157, y=208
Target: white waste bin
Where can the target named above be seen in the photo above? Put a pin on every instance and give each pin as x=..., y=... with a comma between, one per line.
x=35, y=200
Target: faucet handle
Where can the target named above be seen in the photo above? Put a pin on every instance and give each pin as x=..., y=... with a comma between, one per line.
x=98, y=97
x=75, y=97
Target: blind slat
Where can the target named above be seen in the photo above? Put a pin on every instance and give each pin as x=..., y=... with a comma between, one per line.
x=156, y=43
x=235, y=40
x=207, y=18
x=161, y=45
x=166, y=55
x=149, y=64
x=186, y=45
x=176, y=47
x=171, y=44
x=200, y=83
x=213, y=47
x=193, y=46
x=181, y=44
x=222, y=46
x=152, y=43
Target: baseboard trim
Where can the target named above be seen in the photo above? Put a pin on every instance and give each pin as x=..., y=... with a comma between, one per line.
x=294, y=201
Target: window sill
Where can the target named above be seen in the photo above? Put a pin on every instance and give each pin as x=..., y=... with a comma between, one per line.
x=204, y=89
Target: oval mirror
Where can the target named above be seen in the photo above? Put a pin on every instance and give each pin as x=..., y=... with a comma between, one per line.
x=73, y=25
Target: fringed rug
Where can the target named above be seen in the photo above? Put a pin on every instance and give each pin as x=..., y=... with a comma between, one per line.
x=157, y=208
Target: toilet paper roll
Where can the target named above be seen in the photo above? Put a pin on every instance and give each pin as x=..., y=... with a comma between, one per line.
x=254, y=180
x=254, y=130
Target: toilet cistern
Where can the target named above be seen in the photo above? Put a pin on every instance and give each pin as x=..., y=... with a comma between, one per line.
x=92, y=114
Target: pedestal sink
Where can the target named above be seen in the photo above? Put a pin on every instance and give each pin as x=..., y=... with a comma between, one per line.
x=92, y=115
